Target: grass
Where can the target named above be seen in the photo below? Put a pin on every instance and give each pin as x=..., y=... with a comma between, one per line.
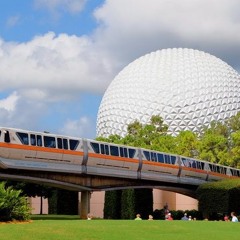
x=66, y=227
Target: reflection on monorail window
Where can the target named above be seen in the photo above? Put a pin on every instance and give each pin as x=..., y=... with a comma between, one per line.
x=123, y=152
x=73, y=144
x=33, y=139
x=49, y=142
x=114, y=151
x=95, y=147
x=23, y=137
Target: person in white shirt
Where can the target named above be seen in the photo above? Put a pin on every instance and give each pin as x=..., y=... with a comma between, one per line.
x=234, y=218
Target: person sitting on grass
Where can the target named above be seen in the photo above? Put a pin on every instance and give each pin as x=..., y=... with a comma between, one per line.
x=150, y=217
x=169, y=217
x=184, y=218
x=234, y=218
x=138, y=217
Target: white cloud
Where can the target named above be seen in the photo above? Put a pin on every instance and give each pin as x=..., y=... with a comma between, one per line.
x=10, y=102
x=78, y=128
x=57, y=67
x=53, y=68
x=130, y=28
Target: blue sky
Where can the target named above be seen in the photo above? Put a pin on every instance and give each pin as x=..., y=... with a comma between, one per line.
x=58, y=57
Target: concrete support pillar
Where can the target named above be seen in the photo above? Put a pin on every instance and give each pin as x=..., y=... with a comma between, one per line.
x=85, y=204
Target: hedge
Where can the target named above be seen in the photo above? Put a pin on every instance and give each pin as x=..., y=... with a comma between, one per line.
x=218, y=198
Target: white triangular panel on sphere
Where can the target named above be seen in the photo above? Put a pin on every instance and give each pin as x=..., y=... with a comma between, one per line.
x=188, y=88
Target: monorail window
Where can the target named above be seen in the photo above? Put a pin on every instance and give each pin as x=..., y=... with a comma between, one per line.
x=23, y=138
x=200, y=165
x=7, y=137
x=33, y=139
x=65, y=143
x=217, y=169
x=173, y=159
x=114, y=151
x=123, y=152
x=153, y=157
x=95, y=147
x=235, y=172
x=185, y=162
x=147, y=155
x=104, y=149
x=131, y=152
x=73, y=144
x=167, y=159
x=60, y=143
x=39, y=140
x=193, y=164
x=223, y=170
x=160, y=158
x=212, y=169
x=49, y=142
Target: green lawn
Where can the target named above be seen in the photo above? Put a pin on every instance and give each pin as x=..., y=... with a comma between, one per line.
x=66, y=228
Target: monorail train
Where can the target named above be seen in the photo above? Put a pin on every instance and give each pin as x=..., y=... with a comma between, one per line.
x=41, y=151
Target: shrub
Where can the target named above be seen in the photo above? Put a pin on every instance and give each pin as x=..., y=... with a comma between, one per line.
x=220, y=197
x=12, y=204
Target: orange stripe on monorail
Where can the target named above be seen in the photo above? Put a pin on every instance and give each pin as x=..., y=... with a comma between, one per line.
x=194, y=170
x=165, y=165
x=40, y=149
x=114, y=158
x=206, y=172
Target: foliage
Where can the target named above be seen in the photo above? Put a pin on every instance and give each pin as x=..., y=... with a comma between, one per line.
x=218, y=143
x=128, y=204
x=12, y=204
x=144, y=202
x=112, y=206
x=52, y=202
x=214, y=143
x=187, y=144
x=32, y=190
x=63, y=202
x=219, y=197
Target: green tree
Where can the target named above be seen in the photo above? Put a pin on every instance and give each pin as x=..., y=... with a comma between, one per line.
x=233, y=123
x=187, y=144
x=112, y=206
x=128, y=203
x=235, y=151
x=214, y=145
x=32, y=190
x=12, y=204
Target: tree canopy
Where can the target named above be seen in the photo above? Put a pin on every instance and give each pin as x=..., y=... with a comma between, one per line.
x=217, y=143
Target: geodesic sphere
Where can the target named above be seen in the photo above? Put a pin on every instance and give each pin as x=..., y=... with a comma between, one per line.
x=188, y=88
